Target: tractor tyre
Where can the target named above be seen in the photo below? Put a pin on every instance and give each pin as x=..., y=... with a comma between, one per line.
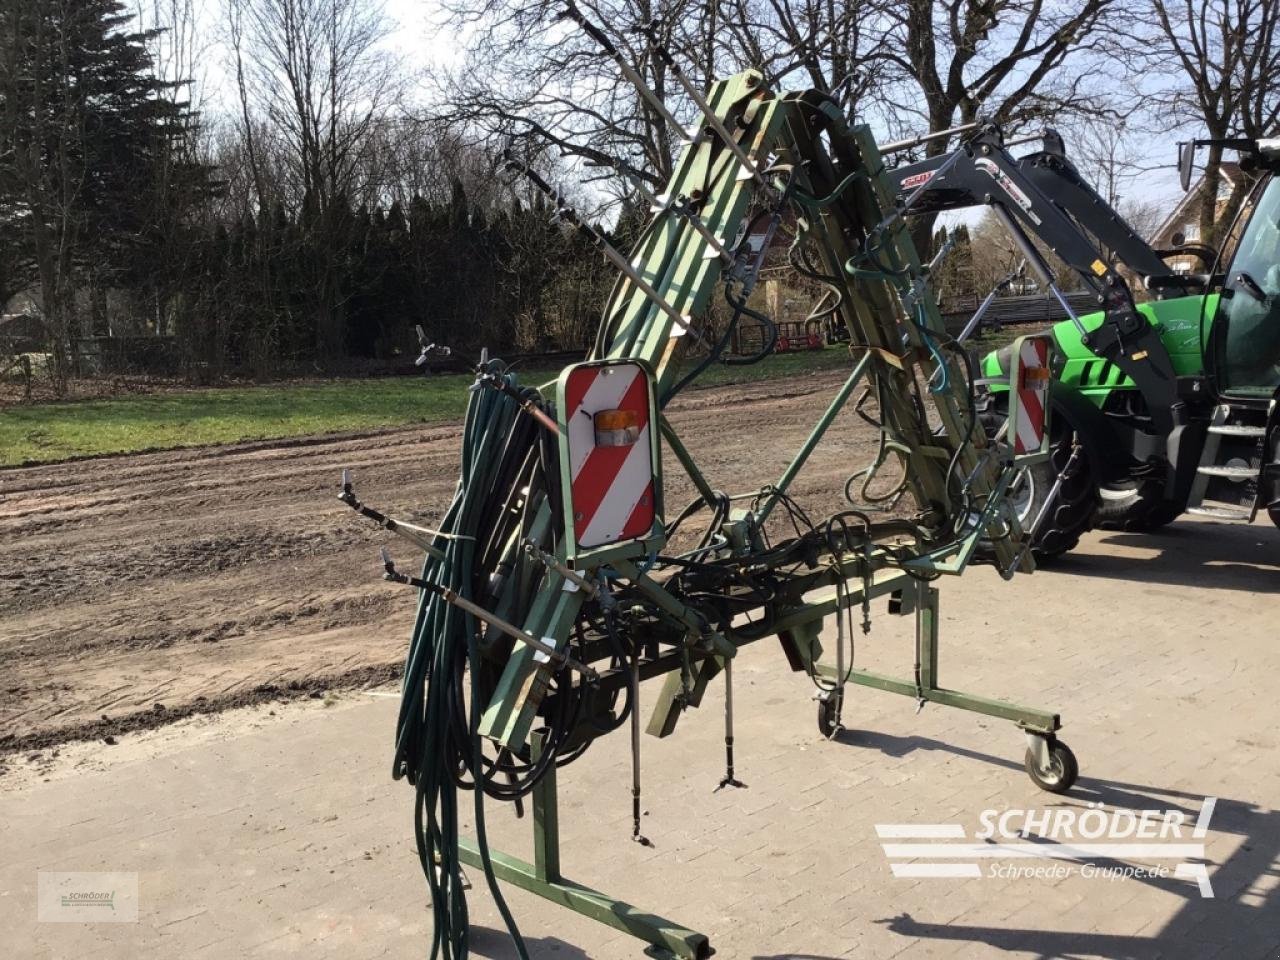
x=1136, y=506
x=1072, y=511
x=1270, y=480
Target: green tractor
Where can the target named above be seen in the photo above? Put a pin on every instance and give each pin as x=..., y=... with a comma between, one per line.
x=1221, y=457
x=1159, y=408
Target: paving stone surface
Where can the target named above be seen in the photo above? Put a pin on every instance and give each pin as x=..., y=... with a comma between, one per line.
x=1160, y=652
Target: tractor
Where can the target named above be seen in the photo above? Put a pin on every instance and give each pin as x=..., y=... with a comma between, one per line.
x=1159, y=408
x=1221, y=459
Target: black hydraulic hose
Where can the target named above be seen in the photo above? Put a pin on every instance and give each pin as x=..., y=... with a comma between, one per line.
x=716, y=353
x=740, y=308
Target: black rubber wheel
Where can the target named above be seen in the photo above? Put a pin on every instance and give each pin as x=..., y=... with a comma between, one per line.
x=828, y=716
x=1136, y=506
x=1073, y=509
x=1063, y=768
x=1270, y=480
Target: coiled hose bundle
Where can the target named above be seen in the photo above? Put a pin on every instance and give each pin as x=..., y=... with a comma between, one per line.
x=437, y=738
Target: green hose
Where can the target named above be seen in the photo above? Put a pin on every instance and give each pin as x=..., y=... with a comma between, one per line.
x=428, y=739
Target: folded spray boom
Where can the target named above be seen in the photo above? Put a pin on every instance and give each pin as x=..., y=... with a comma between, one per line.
x=557, y=582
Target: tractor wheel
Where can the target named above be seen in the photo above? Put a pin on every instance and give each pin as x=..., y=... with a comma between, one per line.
x=1072, y=511
x=1271, y=471
x=1135, y=505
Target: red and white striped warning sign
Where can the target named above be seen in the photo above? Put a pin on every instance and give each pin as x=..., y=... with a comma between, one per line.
x=612, y=487
x=1033, y=394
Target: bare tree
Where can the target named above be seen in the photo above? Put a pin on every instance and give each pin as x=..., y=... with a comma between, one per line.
x=407, y=158
x=996, y=255
x=837, y=48
x=1008, y=60
x=314, y=79
x=531, y=76
x=1145, y=216
x=1106, y=151
x=1224, y=64
x=177, y=46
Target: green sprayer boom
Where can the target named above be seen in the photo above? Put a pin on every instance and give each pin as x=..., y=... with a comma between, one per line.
x=559, y=580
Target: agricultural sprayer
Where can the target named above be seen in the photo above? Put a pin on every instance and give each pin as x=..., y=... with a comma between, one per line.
x=559, y=582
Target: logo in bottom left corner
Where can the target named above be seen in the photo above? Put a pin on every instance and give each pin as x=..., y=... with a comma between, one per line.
x=87, y=897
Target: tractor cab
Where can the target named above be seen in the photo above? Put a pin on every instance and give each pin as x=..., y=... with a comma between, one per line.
x=1240, y=327
x=1244, y=321
x=1239, y=470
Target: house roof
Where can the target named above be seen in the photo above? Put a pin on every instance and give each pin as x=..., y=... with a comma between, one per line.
x=1231, y=173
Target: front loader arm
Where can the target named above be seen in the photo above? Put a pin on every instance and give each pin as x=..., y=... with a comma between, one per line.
x=1058, y=179
x=983, y=173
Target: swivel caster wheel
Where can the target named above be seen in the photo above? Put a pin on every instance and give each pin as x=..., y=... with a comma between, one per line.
x=829, y=707
x=1051, y=765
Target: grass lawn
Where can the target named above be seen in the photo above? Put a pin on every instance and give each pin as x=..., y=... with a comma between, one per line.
x=48, y=432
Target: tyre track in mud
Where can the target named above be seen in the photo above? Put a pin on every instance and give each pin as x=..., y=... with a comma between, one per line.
x=138, y=589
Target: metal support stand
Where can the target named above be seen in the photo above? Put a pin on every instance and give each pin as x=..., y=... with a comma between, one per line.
x=728, y=780
x=668, y=940
x=636, y=835
x=924, y=687
x=542, y=877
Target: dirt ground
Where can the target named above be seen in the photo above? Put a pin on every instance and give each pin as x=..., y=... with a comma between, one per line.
x=137, y=590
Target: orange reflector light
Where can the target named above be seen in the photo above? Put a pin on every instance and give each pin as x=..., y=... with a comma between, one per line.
x=1034, y=375
x=617, y=428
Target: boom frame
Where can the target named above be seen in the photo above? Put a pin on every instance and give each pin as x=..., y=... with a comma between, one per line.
x=836, y=177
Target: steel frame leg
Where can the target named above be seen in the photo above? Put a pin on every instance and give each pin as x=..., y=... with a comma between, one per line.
x=542, y=877
x=926, y=639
